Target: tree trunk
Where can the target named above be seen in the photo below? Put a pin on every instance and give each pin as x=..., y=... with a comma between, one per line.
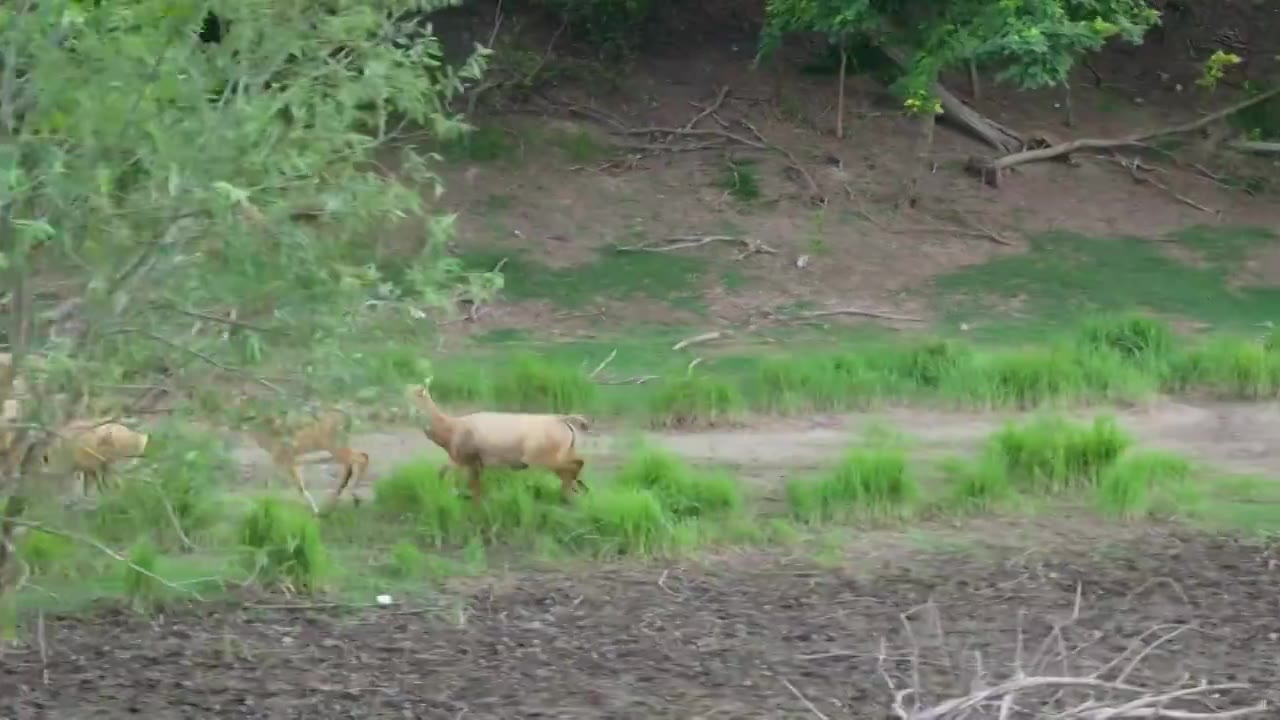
x=923, y=160
x=954, y=109
x=975, y=85
x=844, y=59
x=1068, y=105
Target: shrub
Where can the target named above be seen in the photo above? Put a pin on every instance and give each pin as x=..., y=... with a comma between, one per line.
x=1050, y=454
x=1147, y=483
x=872, y=480
x=683, y=492
x=530, y=384
x=284, y=545
x=695, y=400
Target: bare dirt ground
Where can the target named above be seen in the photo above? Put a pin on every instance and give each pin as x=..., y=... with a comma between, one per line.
x=720, y=639
x=1231, y=437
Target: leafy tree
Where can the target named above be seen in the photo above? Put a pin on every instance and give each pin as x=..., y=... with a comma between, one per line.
x=150, y=172
x=1034, y=43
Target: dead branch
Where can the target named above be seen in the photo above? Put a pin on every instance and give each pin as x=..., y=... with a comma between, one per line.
x=1141, y=139
x=1135, y=165
x=1255, y=146
x=815, y=192
x=684, y=242
x=800, y=696
x=709, y=109
x=980, y=232
x=704, y=337
x=859, y=312
x=603, y=364
x=1030, y=692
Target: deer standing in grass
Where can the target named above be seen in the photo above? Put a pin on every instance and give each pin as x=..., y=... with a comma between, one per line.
x=287, y=444
x=89, y=448
x=500, y=439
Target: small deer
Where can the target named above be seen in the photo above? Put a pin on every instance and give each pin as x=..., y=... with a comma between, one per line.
x=326, y=432
x=90, y=447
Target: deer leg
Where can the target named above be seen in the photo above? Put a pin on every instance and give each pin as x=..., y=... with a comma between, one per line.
x=473, y=478
x=570, y=478
x=302, y=488
x=354, y=466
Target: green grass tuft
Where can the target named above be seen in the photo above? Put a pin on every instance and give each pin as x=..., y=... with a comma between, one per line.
x=622, y=521
x=1050, y=455
x=415, y=493
x=1138, y=339
x=815, y=382
x=741, y=180
x=531, y=384
x=284, y=545
x=683, y=491
x=143, y=591
x=1231, y=368
x=872, y=481
x=977, y=485
x=696, y=400
x=1148, y=483
x=407, y=561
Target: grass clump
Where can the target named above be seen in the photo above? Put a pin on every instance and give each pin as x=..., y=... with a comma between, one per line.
x=870, y=480
x=284, y=545
x=141, y=587
x=682, y=491
x=931, y=363
x=1050, y=455
x=977, y=485
x=695, y=400
x=43, y=552
x=832, y=382
x=415, y=492
x=1233, y=368
x=406, y=561
x=1148, y=483
x=531, y=384
x=741, y=180
x=1020, y=379
x=1135, y=338
x=622, y=521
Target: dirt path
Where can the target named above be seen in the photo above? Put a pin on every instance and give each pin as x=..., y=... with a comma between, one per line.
x=715, y=640
x=1234, y=437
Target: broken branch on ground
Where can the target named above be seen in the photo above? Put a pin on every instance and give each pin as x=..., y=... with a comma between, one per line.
x=684, y=242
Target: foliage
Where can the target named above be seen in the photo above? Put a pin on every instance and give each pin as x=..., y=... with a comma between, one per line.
x=1050, y=454
x=162, y=178
x=283, y=546
x=872, y=480
x=1033, y=42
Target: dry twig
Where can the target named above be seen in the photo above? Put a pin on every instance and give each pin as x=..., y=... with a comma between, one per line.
x=684, y=242
x=1030, y=692
x=704, y=337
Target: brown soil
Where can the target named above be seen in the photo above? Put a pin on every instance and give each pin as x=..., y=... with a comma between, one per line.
x=715, y=640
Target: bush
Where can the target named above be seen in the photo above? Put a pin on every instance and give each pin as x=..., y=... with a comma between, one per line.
x=695, y=400
x=871, y=480
x=530, y=384
x=284, y=545
x=1050, y=454
x=1135, y=338
x=1147, y=483
x=683, y=492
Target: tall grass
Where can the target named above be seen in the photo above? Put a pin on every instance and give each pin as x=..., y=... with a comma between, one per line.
x=695, y=400
x=1148, y=483
x=283, y=546
x=1049, y=454
x=531, y=384
x=683, y=492
x=867, y=481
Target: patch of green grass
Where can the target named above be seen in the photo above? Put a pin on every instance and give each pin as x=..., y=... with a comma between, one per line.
x=695, y=400
x=870, y=481
x=414, y=493
x=741, y=180
x=1139, y=339
x=283, y=546
x=1064, y=276
x=683, y=491
x=1146, y=484
x=1224, y=246
x=141, y=587
x=978, y=485
x=1228, y=367
x=672, y=278
x=531, y=384
x=622, y=521
x=486, y=143
x=1049, y=455
x=802, y=382
x=578, y=146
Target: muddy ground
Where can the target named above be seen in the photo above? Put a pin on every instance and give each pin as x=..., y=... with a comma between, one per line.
x=1230, y=437
x=722, y=639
